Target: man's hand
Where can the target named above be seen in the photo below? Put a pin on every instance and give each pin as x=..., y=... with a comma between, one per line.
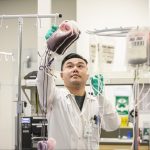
x=66, y=34
x=97, y=82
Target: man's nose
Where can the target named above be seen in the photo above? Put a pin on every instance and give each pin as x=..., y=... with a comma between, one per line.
x=75, y=69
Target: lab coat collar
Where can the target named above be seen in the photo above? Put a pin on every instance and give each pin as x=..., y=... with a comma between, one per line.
x=88, y=98
x=87, y=95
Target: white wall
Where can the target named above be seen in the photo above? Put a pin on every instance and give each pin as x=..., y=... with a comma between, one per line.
x=9, y=70
x=89, y=14
x=101, y=14
x=33, y=40
x=105, y=13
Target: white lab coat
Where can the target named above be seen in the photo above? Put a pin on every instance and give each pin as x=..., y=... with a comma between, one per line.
x=71, y=128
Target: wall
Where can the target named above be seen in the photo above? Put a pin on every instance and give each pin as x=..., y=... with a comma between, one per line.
x=99, y=14
x=89, y=14
x=9, y=71
x=32, y=37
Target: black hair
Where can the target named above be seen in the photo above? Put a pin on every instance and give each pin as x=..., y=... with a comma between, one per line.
x=72, y=55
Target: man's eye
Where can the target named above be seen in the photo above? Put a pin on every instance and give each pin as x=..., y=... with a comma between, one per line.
x=69, y=66
x=80, y=66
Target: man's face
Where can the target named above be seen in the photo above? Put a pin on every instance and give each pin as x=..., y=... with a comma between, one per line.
x=75, y=72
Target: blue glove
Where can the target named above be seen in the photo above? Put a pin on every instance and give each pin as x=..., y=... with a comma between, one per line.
x=97, y=82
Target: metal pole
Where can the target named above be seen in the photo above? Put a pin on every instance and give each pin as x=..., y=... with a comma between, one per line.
x=19, y=102
x=136, y=120
x=31, y=16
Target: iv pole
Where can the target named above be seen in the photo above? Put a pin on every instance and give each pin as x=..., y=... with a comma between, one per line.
x=136, y=118
x=121, y=32
x=19, y=102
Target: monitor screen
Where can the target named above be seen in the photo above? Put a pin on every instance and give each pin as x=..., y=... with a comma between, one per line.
x=26, y=120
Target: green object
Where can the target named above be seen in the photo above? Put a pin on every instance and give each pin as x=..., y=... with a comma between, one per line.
x=122, y=105
x=97, y=82
x=54, y=28
x=51, y=31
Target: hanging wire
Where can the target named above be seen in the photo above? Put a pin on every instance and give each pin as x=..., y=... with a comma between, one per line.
x=47, y=59
x=142, y=99
x=122, y=32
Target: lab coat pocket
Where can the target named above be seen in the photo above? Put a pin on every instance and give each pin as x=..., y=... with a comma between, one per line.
x=95, y=137
x=95, y=133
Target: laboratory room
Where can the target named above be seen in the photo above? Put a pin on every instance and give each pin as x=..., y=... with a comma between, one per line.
x=75, y=75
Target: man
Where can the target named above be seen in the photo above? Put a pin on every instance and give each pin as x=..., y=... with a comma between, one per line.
x=74, y=116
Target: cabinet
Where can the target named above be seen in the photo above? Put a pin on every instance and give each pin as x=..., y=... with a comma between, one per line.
x=34, y=129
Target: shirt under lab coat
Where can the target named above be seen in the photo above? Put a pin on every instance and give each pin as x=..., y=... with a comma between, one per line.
x=72, y=128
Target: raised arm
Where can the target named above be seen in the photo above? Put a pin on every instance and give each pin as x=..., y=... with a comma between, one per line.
x=109, y=117
x=45, y=81
x=57, y=42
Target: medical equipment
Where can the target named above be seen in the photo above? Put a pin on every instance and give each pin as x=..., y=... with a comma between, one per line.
x=32, y=131
x=138, y=46
x=19, y=102
x=108, y=53
x=63, y=37
x=101, y=54
x=95, y=57
x=57, y=43
x=138, y=50
x=137, y=56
